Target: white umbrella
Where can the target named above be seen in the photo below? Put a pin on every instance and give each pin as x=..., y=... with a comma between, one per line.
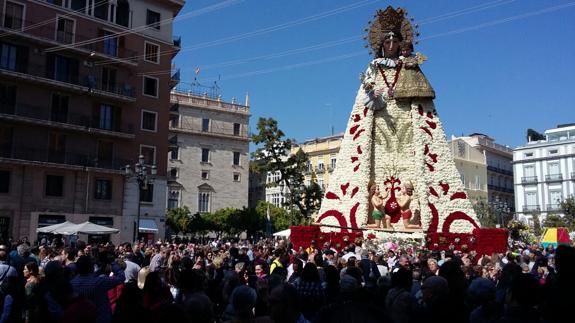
x=283, y=233
x=51, y=228
x=86, y=228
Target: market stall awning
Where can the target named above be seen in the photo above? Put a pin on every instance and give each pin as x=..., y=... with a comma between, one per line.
x=85, y=228
x=148, y=226
x=51, y=228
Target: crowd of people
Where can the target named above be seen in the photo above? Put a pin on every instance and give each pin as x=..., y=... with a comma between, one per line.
x=269, y=281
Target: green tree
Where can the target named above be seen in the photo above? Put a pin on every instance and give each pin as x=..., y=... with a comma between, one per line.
x=536, y=224
x=179, y=219
x=555, y=221
x=485, y=214
x=568, y=209
x=533, y=135
x=274, y=155
x=280, y=217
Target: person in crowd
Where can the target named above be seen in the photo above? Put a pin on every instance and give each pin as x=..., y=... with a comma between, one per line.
x=32, y=292
x=95, y=288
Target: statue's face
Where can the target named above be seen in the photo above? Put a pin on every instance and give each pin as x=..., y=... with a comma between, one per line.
x=390, y=47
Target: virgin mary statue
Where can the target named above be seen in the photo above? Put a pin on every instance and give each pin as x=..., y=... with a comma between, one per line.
x=395, y=142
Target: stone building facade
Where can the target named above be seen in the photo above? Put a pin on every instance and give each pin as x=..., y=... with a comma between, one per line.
x=208, y=167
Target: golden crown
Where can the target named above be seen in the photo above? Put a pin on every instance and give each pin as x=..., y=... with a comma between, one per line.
x=389, y=21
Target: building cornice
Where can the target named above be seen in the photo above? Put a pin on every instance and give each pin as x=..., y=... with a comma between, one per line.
x=531, y=160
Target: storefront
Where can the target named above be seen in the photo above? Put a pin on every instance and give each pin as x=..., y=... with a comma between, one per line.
x=147, y=230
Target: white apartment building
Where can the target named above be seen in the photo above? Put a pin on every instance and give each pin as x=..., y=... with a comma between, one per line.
x=208, y=162
x=544, y=173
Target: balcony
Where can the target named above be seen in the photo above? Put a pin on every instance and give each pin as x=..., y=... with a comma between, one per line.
x=553, y=207
x=78, y=82
x=330, y=168
x=554, y=178
x=308, y=171
x=48, y=34
x=19, y=154
x=186, y=126
x=320, y=170
x=42, y=116
x=500, y=170
x=529, y=180
x=530, y=208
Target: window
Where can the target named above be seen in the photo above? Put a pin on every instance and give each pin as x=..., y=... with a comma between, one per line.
x=236, y=160
x=56, y=147
x=103, y=190
x=205, y=155
x=554, y=168
x=205, y=124
x=529, y=170
x=205, y=174
x=101, y=9
x=462, y=179
x=8, y=57
x=105, y=153
x=275, y=199
x=332, y=162
x=152, y=53
x=309, y=166
x=151, y=86
x=320, y=165
x=320, y=182
x=65, y=30
x=4, y=181
x=555, y=198
x=149, y=153
x=237, y=128
x=173, y=199
x=59, y=112
x=174, y=153
x=54, y=185
x=7, y=98
x=477, y=182
x=237, y=177
x=204, y=202
x=105, y=120
x=110, y=43
x=62, y=68
x=109, y=79
x=149, y=120
x=528, y=155
x=147, y=193
x=553, y=151
x=531, y=200
x=78, y=5
x=174, y=173
x=14, y=15
x=153, y=19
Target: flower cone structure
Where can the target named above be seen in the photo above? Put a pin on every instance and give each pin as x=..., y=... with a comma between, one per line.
x=394, y=137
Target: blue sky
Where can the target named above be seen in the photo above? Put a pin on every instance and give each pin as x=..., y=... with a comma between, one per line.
x=498, y=67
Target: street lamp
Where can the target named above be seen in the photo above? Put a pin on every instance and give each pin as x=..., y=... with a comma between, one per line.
x=144, y=176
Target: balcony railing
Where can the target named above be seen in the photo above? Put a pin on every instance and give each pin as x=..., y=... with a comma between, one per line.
x=553, y=177
x=499, y=188
x=330, y=168
x=530, y=208
x=48, y=32
x=43, y=114
x=320, y=170
x=186, y=126
x=64, y=158
x=500, y=170
x=553, y=207
x=529, y=179
x=87, y=80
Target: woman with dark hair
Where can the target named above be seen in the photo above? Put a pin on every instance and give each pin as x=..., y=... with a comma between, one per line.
x=156, y=292
x=310, y=291
x=31, y=273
